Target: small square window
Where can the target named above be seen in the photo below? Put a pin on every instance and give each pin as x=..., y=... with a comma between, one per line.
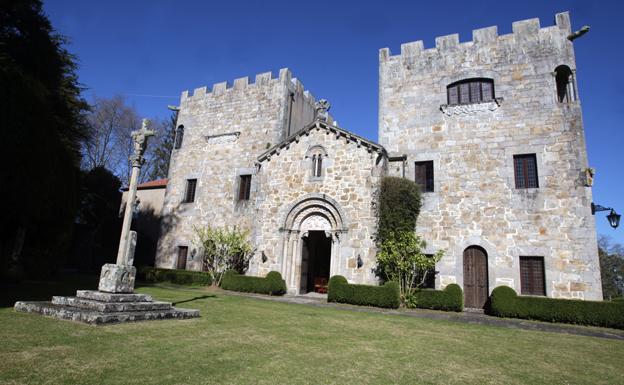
x=424, y=175
x=244, y=188
x=191, y=186
x=532, y=276
x=525, y=171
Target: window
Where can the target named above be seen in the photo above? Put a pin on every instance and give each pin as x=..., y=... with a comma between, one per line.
x=429, y=282
x=182, y=253
x=244, y=188
x=532, y=276
x=565, y=84
x=179, y=135
x=191, y=186
x=317, y=162
x=424, y=175
x=525, y=171
x=470, y=91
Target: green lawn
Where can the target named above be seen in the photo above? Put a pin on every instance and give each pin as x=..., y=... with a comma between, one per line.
x=242, y=340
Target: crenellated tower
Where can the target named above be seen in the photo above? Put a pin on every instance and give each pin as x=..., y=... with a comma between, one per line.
x=492, y=130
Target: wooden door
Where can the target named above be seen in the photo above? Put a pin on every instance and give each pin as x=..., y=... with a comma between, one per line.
x=475, y=277
x=182, y=253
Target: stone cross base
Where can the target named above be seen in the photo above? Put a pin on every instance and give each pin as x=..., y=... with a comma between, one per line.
x=117, y=278
x=99, y=308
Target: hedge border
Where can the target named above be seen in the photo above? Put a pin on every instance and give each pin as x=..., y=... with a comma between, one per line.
x=180, y=277
x=340, y=290
x=451, y=298
x=272, y=284
x=505, y=302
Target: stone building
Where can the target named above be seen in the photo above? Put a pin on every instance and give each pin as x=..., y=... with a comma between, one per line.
x=491, y=129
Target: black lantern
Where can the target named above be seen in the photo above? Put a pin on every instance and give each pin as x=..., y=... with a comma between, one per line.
x=613, y=217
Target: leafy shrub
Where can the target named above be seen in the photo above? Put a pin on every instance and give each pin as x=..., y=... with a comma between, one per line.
x=340, y=290
x=272, y=284
x=505, y=302
x=181, y=277
x=449, y=299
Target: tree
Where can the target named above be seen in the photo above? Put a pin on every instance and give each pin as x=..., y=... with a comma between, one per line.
x=400, y=256
x=42, y=127
x=165, y=136
x=223, y=249
x=109, y=144
x=400, y=259
x=611, y=268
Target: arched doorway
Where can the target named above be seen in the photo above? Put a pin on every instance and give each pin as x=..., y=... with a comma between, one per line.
x=311, y=242
x=475, y=277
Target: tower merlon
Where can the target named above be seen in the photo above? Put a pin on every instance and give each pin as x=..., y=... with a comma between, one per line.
x=523, y=30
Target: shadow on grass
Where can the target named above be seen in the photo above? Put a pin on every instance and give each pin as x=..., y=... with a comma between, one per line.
x=194, y=299
x=31, y=290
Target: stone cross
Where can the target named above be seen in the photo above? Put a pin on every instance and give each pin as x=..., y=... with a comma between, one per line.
x=139, y=139
x=322, y=108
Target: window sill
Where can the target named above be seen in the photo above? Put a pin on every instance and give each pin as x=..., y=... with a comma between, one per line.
x=471, y=108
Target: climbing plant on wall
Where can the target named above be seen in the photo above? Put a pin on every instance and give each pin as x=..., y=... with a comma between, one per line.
x=400, y=255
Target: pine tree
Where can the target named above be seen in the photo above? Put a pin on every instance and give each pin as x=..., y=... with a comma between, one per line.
x=162, y=151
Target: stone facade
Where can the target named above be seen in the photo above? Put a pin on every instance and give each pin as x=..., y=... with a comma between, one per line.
x=269, y=130
x=475, y=201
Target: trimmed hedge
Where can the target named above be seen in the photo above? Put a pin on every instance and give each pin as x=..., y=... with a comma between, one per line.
x=449, y=299
x=340, y=290
x=181, y=277
x=505, y=302
x=272, y=284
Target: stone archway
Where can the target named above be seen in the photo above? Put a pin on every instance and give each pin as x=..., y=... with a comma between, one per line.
x=311, y=215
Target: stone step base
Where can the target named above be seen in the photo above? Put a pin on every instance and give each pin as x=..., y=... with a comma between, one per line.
x=112, y=297
x=107, y=307
x=92, y=317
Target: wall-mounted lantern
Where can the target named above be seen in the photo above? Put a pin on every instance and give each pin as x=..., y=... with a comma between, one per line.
x=613, y=217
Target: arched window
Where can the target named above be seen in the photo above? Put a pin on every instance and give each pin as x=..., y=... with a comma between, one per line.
x=469, y=91
x=316, y=154
x=317, y=164
x=565, y=84
x=178, y=137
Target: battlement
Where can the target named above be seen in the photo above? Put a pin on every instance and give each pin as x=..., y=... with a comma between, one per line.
x=261, y=80
x=523, y=31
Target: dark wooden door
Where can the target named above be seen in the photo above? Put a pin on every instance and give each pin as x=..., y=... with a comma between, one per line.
x=182, y=253
x=475, y=278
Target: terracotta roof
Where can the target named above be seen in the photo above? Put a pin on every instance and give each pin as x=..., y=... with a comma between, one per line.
x=158, y=183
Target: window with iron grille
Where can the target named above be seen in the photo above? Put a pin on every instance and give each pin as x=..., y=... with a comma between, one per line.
x=532, y=276
x=424, y=175
x=525, y=171
x=191, y=186
x=470, y=91
x=244, y=187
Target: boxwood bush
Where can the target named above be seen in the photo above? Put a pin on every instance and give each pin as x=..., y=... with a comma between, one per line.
x=505, y=302
x=181, y=277
x=340, y=290
x=449, y=299
x=272, y=284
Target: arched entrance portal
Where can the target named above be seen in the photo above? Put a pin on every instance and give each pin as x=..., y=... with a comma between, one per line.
x=312, y=232
x=475, y=277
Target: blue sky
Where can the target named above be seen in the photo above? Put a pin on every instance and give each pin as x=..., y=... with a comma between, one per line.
x=160, y=48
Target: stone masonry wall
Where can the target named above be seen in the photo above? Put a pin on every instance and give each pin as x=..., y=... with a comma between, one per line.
x=475, y=201
x=224, y=131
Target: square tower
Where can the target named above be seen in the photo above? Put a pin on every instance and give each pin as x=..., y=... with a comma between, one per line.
x=492, y=130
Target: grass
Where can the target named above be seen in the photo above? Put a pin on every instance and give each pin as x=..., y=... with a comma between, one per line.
x=242, y=340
